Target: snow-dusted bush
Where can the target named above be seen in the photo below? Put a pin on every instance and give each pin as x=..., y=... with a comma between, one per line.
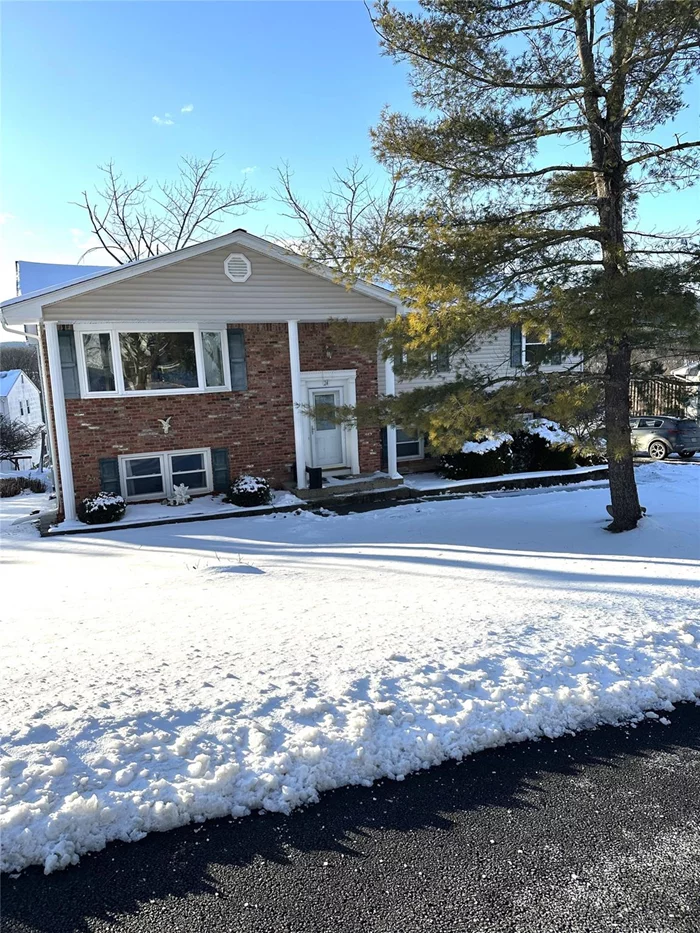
x=550, y=431
x=249, y=490
x=486, y=456
x=102, y=508
x=540, y=445
x=486, y=445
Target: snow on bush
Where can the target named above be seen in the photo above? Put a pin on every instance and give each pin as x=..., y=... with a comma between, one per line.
x=549, y=430
x=487, y=444
x=249, y=490
x=102, y=508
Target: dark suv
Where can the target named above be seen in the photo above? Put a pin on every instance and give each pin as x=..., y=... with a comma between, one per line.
x=661, y=435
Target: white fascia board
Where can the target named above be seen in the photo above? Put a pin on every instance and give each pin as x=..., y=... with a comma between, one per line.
x=27, y=309
x=28, y=312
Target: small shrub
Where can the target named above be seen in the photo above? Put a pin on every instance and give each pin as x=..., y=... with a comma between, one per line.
x=532, y=452
x=12, y=486
x=473, y=465
x=102, y=508
x=250, y=490
x=34, y=484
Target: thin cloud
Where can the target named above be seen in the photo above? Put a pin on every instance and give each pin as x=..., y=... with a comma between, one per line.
x=249, y=170
x=165, y=120
x=188, y=108
x=6, y=217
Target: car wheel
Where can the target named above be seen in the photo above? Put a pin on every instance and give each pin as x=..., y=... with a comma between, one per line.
x=687, y=454
x=658, y=450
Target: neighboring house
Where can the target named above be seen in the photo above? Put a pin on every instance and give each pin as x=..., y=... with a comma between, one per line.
x=20, y=400
x=504, y=355
x=197, y=365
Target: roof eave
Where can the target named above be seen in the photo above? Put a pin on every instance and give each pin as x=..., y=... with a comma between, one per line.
x=31, y=306
x=27, y=312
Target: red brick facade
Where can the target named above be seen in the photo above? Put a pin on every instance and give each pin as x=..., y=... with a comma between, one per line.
x=256, y=425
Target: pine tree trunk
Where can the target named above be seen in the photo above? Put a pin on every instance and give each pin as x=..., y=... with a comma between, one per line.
x=626, y=511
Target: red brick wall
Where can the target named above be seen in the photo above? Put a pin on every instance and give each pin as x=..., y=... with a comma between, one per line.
x=256, y=425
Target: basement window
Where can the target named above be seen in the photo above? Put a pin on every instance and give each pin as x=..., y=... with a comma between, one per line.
x=153, y=475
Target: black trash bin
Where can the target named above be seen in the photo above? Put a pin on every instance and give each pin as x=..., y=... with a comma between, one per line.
x=315, y=477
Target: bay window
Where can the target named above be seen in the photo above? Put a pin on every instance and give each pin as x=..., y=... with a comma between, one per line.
x=117, y=361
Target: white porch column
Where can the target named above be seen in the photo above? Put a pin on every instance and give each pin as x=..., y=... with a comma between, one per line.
x=295, y=369
x=390, y=380
x=65, y=467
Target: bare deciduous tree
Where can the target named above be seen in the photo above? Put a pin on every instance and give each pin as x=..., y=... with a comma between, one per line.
x=24, y=356
x=16, y=438
x=135, y=220
x=356, y=217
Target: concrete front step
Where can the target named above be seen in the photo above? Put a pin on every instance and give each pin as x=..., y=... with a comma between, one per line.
x=347, y=487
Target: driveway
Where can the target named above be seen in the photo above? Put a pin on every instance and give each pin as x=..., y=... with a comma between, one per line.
x=597, y=832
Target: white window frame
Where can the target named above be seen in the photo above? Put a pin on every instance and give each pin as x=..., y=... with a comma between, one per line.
x=421, y=448
x=165, y=457
x=114, y=330
x=539, y=343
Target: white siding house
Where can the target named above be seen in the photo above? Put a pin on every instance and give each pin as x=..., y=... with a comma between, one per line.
x=20, y=400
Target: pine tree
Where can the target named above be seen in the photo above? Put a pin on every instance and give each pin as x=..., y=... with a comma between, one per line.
x=541, y=125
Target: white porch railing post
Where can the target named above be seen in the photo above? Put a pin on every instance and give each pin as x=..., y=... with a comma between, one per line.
x=295, y=370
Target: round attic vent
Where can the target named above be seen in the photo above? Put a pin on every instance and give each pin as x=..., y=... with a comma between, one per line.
x=237, y=267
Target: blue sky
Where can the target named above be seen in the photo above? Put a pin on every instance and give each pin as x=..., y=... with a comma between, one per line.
x=266, y=81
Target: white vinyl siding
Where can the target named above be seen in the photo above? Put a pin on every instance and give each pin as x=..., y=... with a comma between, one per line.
x=198, y=289
x=491, y=356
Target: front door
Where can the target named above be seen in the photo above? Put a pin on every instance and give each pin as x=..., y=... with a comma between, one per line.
x=326, y=435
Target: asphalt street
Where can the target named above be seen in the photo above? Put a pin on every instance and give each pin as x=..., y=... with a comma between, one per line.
x=595, y=832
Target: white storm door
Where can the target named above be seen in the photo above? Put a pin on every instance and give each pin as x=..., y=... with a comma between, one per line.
x=326, y=435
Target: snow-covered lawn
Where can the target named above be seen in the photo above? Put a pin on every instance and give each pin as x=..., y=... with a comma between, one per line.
x=159, y=675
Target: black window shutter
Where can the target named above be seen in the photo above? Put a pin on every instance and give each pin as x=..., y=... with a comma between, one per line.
x=442, y=360
x=236, y=358
x=69, y=364
x=109, y=475
x=221, y=469
x=516, y=345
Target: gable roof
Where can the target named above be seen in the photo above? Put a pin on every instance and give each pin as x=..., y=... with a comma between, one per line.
x=8, y=377
x=27, y=309
x=39, y=276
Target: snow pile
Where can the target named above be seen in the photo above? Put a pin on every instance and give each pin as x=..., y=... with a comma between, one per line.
x=549, y=430
x=489, y=443
x=326, y=651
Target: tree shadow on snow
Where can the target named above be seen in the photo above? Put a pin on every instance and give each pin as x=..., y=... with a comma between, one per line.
x=170, y=868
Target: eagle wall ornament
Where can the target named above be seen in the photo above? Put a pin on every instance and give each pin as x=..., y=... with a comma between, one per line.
x=165, y=424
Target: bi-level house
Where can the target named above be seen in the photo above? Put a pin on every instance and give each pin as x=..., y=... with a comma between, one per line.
x=197, y=365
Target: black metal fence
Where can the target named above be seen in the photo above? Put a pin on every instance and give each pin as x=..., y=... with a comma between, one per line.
x=663, y=395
